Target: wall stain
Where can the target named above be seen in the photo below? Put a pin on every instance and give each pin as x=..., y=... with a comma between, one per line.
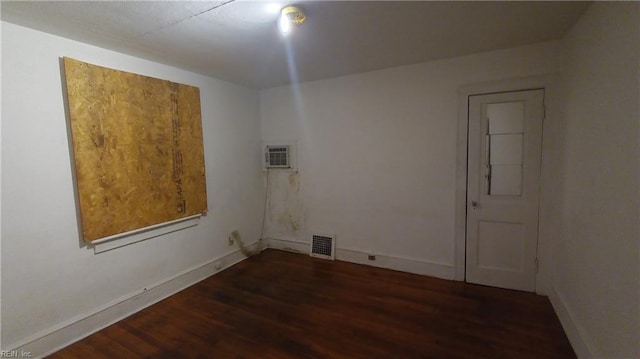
x=285, y=206
x=293, y=180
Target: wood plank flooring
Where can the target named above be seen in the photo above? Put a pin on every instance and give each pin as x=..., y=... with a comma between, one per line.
x=287, y=305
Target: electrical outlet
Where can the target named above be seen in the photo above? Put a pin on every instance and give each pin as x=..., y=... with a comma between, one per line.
x=230, y=240
x=372, y=257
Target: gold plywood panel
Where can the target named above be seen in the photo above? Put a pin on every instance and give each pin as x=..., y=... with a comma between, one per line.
x=138, y=149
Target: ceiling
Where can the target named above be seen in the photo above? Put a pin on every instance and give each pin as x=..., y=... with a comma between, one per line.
x=238, y=41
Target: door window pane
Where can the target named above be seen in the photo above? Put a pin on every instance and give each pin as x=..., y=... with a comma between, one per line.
x=506, y=149
x=507, y=117
x=504, y=146
x=506, y=180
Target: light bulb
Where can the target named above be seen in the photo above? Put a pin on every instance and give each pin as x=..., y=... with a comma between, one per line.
x=284, y=24
x=289, y=16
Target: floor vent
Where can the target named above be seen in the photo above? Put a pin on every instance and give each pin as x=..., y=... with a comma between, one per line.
x=323, y=246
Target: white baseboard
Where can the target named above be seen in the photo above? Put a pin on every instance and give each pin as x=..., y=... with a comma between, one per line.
x=410, y=265
x=403, y=264
x=57, y=337
x=574, y=332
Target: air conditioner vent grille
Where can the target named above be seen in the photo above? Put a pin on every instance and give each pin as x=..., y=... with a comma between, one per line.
x=277, y=157
x=323, y=246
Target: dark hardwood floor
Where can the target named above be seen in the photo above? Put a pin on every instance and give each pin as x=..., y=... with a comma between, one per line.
x=287, y=305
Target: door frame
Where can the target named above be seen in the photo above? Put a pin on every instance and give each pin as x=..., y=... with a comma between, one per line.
x=548, y=83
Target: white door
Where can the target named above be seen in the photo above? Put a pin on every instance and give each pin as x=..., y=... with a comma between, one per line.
x=505, y=138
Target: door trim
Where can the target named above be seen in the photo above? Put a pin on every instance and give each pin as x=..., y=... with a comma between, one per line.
x=546, y=82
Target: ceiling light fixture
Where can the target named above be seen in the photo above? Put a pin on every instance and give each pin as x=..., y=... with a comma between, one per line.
x=289, y=16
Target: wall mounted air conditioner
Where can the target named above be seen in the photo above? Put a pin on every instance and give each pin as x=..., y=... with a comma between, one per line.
x=279, y=155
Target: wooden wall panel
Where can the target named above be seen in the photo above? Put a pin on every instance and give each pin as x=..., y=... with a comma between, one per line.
x=138, y=149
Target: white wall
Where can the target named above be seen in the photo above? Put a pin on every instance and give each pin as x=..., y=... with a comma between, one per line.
x=48, y=277
x=596, y=277
x=377, y=154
